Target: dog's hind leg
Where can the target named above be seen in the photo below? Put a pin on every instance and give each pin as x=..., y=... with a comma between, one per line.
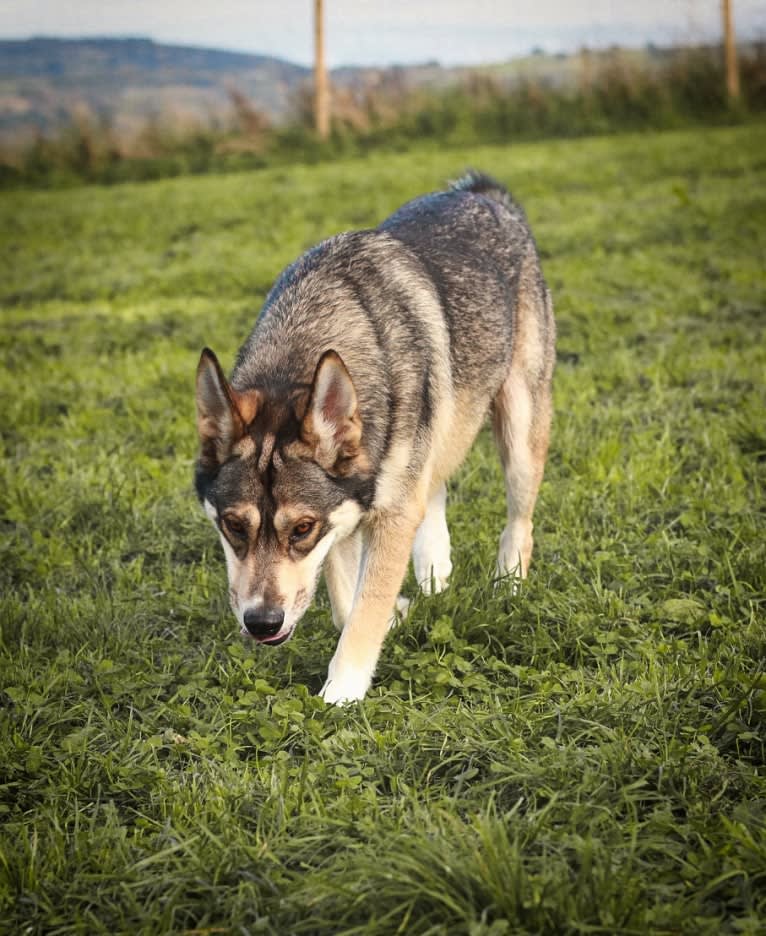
x=431, y=552
x=521, y=421
x=521, y=417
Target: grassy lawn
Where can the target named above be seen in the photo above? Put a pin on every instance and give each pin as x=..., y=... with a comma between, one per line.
x=586, y=757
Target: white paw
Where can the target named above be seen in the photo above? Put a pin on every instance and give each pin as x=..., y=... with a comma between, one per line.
x=514, y=552
x=401, y=610
x=348, y=686
x=505, y=579
x=436, y=579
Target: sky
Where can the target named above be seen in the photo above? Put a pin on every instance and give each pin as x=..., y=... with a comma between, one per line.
x=387, y=31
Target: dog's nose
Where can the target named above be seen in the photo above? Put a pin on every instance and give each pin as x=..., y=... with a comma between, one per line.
x=264, y=621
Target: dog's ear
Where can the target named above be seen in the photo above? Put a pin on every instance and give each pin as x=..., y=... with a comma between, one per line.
x=331, y=426
x=223, y=414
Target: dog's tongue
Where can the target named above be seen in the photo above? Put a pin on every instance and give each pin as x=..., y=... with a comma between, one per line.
x=271, y=641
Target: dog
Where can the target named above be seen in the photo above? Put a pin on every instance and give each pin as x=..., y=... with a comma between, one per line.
x=369, y=372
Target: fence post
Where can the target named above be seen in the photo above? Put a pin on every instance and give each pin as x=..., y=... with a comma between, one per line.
x=730, y=52
x=321, y=97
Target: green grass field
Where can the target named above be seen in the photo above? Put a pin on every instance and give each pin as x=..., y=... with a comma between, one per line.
x=586, y=757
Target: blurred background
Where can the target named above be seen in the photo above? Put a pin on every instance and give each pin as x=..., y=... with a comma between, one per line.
x=109, y=92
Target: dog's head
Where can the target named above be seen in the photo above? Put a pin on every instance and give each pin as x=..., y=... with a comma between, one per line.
x=282, y=480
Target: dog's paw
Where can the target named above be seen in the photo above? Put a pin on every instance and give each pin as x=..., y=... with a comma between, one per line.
x=437, y=578
x=345, y=688
x=513, y=555
x=511, y=580
x=401, y=610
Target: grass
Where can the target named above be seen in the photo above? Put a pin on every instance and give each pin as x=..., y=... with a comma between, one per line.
x=586, y=757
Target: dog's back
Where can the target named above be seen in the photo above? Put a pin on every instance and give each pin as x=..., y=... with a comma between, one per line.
x=425, y=308
x=474, y=242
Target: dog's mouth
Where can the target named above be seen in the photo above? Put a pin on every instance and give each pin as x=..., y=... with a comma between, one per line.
x=273, y=640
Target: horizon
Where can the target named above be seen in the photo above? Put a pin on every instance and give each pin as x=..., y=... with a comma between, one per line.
x=360, y=34
x=435, y=60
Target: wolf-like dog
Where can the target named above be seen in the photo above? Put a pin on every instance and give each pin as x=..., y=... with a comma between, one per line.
x=373, y=363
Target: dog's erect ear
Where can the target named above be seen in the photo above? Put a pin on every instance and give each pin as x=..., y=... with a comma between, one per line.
x=332, y=426
x=223, y=414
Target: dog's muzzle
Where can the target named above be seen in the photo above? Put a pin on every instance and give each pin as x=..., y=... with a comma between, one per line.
x=264, y=623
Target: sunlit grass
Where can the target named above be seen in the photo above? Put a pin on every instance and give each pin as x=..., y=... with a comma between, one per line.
x=587, y=756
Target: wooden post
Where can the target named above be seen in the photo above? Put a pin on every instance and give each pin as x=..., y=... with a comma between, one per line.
x=321, y=96
x=730, y=52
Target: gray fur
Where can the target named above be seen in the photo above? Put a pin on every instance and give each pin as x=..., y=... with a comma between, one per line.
x=466, y=246
x=437, y=316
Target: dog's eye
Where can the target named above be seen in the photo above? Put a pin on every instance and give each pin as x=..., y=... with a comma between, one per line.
x=235, y=527
x=301, y=530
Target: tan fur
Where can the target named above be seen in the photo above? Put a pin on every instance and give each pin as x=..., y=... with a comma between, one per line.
x=223, y=414
x=392, y=480
x=294, y=579
x=387, y=548
x=244, y=447
x=331, y=426
x=341, y=574
x=521, y=421
x=247, y=404
x=453, y=440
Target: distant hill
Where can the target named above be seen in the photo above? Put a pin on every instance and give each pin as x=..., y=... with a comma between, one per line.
x=45, y=83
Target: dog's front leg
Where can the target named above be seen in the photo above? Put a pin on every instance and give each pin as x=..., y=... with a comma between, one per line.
x=341, y=574
x=388, y=541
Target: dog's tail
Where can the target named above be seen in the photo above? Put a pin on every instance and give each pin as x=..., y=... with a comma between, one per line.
x=482, y=184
